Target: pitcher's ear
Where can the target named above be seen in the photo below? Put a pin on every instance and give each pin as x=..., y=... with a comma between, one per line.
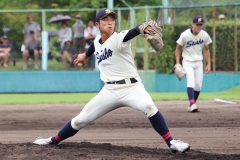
x=97, y=23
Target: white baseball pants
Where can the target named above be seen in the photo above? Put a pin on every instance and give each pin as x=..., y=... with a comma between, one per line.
x=194, y=74
x=113, y=96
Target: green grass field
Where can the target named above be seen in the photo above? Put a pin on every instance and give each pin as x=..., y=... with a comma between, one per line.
x=56, y=98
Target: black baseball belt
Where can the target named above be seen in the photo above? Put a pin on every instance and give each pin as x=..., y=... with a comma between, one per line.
x=123, y=81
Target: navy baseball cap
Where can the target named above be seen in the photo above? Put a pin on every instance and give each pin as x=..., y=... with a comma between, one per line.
x=104, y=13
x=198, y=20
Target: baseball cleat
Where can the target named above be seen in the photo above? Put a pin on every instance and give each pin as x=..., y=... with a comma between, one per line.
x=179, y=146
x=193, y=108
x=43, y=141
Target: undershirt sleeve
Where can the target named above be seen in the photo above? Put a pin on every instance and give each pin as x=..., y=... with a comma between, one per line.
x=90, y=50
x=132, y=33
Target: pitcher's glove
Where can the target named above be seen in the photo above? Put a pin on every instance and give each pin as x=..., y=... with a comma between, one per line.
x=179, y=71
x=155, y=36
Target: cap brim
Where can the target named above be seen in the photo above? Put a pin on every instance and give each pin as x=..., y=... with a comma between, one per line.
x=199, y=23
x=111, y=13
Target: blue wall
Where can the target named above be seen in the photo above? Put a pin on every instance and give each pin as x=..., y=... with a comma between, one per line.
x=212, y=82
x=50, y=81
x=89, y=81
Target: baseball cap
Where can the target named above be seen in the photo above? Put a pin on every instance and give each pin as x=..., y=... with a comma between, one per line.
x=103, y=13
x=198, y=20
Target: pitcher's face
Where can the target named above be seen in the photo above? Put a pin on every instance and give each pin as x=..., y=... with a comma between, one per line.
x=106, y=24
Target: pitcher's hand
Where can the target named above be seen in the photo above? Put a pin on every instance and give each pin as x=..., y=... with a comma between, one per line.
x=81, y=58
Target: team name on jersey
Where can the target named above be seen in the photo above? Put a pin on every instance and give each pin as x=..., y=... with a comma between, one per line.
x=192, y=43
x=105, y=54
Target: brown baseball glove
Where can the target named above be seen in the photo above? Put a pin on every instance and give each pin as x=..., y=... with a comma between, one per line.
x=155, y=37
x=179, y=71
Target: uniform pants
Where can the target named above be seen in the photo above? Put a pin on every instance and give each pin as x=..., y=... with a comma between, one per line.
x=194, y=74
x=113, y=96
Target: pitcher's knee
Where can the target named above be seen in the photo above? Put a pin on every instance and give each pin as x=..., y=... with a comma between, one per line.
x=79, y=122
x=198, y=86
x=151, y=110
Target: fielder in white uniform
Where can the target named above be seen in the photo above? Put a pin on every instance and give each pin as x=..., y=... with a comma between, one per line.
x=122, y=87
x=192, y=42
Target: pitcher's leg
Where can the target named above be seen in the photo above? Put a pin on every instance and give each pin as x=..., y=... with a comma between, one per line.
x=104, y=102
x=65, y=132
x=190, y=76
x=139, y=99
x=198, y=79
x=159, y=124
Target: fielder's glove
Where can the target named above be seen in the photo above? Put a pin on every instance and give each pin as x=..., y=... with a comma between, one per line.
x=155, y=37
x=179, y=71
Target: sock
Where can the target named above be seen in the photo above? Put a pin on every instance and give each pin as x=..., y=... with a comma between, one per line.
x=66, y=132
x=191, y=97
x=196, y=94
x=160, y=125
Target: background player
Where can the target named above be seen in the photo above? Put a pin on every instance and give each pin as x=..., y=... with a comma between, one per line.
x=192, y=42
x=122, y=87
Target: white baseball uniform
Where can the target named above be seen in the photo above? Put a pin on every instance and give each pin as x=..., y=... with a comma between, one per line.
x=115, y=62
x=122, y=87
x=192, y=56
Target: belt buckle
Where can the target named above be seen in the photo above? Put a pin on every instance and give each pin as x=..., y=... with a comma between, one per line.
x=128, y=81
x=111, y=82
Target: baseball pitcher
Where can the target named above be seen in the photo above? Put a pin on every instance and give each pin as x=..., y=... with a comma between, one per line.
x=123, y=86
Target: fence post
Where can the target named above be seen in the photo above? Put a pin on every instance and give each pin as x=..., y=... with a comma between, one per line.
x=145, y=53
x=44, y=50
x=214, y=36
x=110, y=4
x=235, y=41
x=165, y=11
x=43, y=20
x=119, y=19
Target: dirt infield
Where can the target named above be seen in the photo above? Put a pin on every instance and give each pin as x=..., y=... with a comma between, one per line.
x=213, y=133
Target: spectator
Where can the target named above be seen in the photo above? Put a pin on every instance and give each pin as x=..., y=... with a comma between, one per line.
x=33, y=49
x=5, y=50
x=64, y=33
x=68, y=53
x=78, y=34
x=31, y=26
x=89, y=34
x=1, y=38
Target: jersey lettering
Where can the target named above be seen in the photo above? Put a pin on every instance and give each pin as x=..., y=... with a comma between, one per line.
x=105, y=55
x=192, y=43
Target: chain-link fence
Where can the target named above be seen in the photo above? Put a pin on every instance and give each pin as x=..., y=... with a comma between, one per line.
x=222, y=23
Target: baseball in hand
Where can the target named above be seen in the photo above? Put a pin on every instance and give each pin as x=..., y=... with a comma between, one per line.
x=80, y=64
